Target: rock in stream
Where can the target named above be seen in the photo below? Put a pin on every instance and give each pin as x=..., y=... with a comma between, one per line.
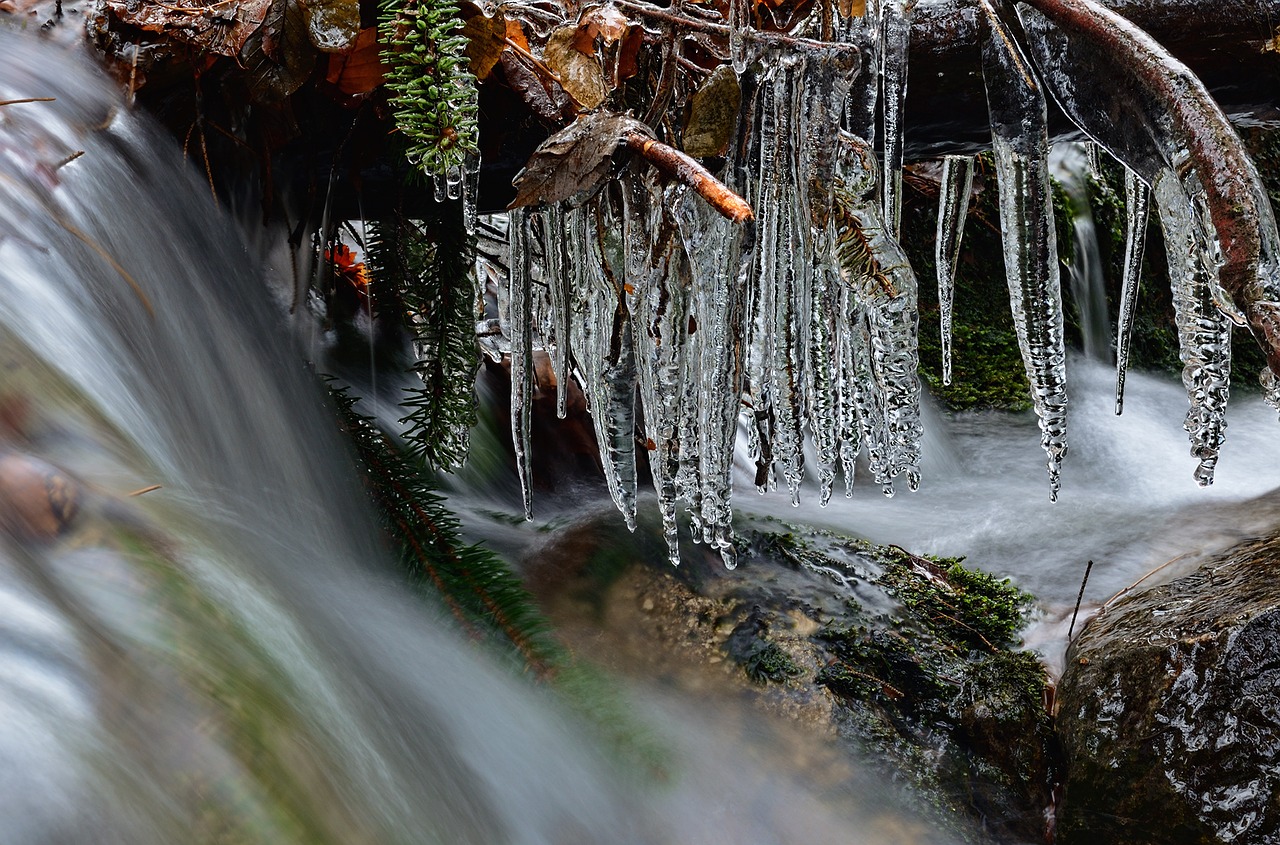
x=1169, y=711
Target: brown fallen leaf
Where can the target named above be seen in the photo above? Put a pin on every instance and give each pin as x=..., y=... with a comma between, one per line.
x=581, y=75
x=543, y=96
x=713, y=111
x=606, y=23
x=221, y=28
x=360, y=70
x=487, y=39
x=573, y=163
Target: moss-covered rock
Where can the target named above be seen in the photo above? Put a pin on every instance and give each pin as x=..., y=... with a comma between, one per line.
x=907, y=661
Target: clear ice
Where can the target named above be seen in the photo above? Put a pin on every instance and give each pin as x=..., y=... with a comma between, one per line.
x=520, y=331
x=1021, y=146
x=1137, y=203
x=799, y=328
x=953, y=210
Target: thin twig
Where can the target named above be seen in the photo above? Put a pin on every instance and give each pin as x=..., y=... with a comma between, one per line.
x=1079, y=598
x=27, y=100
x=681, y=167
x=149, y=489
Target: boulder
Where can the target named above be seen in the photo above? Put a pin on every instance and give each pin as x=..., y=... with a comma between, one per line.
x=868, y=653
x=1169, y=711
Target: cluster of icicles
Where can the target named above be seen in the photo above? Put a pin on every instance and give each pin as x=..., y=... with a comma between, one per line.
x=682, y=327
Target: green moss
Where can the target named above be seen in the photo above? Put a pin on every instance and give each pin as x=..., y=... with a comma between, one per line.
x=768, y=662
x=958, y=604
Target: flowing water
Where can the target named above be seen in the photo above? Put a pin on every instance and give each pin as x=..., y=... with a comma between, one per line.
x=229, y=658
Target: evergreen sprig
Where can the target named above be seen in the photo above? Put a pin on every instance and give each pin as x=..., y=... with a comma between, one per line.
x=431, y=269
x=476, y=585
x=432, y=91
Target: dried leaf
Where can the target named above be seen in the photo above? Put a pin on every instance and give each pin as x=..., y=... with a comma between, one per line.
x=215, y=27
x=333, y=25
x=713, y=112
x=360, y=70
x=487, y=39
x=852, y=8
x=629, y=53
x=279, y=57
x=544, y=98
x=582, y=76
x=574, y=162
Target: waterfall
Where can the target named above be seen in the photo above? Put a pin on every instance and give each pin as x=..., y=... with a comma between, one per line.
x=1088, y=281
x=230, y=657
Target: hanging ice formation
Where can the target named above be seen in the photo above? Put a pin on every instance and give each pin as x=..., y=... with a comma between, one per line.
x=1020, y=141
x=800, y=327
x=1137, y=204
x=953, y=210
x=1224, y=252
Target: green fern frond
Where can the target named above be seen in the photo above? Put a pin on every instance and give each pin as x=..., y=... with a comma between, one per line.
x=432, y=268
x=433, y=93
x=476, y=586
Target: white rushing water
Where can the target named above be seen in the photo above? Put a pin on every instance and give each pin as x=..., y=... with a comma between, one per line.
x=230, y=658
x=1129, y=501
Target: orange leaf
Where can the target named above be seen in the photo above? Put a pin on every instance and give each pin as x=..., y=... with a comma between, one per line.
x=360, y=70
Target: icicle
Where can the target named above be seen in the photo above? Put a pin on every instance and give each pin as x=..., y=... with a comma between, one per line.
x=519, y=327
x=556, y=261
x=1020, y=142
x=739, y=26
x=953, y=209
x=1093, y=159
x=896, y=35
x=1204, y=332
x=657, y=281
x=1137, y=203
x=608, y=354
x=865, y=32
x=780, y=324
x=471, y=194
x=714, y=367
x=830, y=71
x=884, y=324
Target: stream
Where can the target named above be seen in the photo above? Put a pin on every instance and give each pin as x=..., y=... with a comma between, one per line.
x=231, y=657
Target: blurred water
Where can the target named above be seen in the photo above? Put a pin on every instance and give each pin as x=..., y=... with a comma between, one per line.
x=230, y=658
x=1128, y=499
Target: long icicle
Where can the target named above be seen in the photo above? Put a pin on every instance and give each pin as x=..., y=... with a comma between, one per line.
x=885, y=322
x=1020, y=142
x=519, y=325
x=896, y=37
x=1204, y=331
x=1137, y=203
x=658, y=291
x=953, y=209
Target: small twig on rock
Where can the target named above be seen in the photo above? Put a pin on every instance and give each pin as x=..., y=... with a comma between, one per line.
x=681, y=167
x=1079, y=598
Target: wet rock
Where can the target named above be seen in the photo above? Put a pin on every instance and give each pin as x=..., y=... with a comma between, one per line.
x=1169, y=711
x=869, y=652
